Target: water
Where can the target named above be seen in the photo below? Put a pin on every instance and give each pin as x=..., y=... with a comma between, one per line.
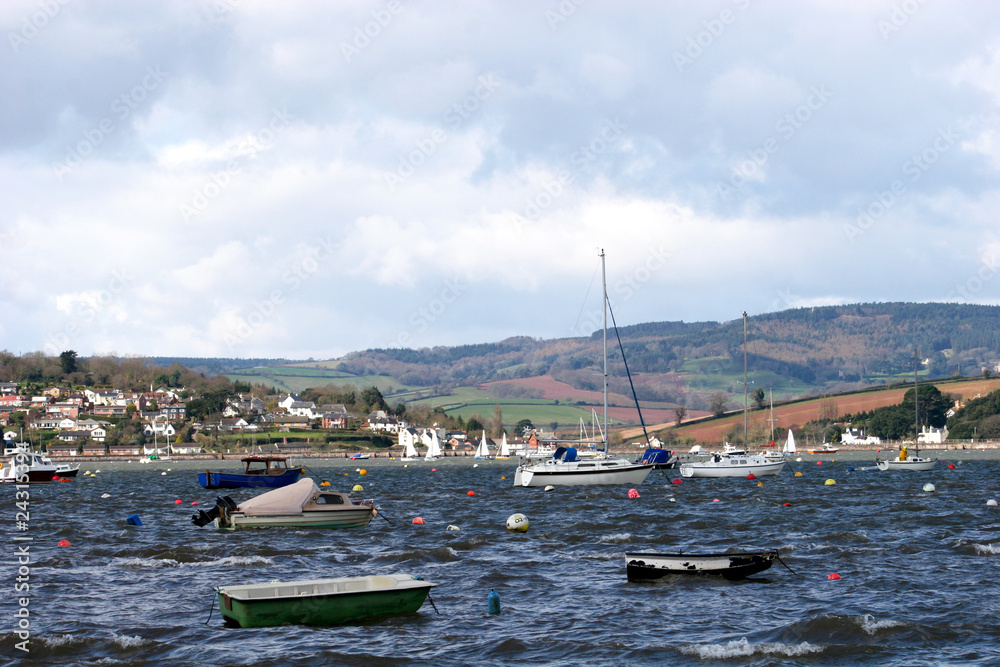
x=919, y=571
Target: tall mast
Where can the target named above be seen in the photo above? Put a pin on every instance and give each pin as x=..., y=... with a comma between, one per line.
x=604, y=307
x=916, y=407
x=746, y=395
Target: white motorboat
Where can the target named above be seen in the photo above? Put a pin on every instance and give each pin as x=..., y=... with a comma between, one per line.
x=826, y=448
x=566, y=468
x=23, y=466
x=301, y=505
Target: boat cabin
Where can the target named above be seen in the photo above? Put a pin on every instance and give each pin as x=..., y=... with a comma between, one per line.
x=265, y=465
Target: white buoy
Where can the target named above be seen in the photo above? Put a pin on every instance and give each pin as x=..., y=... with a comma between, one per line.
x=929, y=488
x=475, y=465
x=991, y=503
x=517, y=523
x=798, y=460
x=163, y=473
x=549, y=487
x=108, y=495
x=672, y=500
x=452, y=527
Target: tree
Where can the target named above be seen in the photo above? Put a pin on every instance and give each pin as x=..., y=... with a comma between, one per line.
x=717, y=404
x=680, y=412
x=373, y=399
x=68, y=361
x=400, y=410
x=473, y=424
x=523, y=427
x=496, y=425
x=758, y=398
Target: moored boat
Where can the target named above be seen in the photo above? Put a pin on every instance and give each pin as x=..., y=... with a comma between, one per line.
x=904, y=460
x=643, y=566
x=26, y=467
x=302, y=505
x=321, y=602
x=270, y=472
x=827, y=448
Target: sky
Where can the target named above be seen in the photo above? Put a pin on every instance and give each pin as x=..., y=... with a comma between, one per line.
x=241, y=178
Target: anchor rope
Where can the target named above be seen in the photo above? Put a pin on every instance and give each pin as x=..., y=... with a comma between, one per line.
x=786, y=566
x=212, y=608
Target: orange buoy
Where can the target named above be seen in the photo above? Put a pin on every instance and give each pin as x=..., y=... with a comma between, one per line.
x=64, y=543
x=362, y=472
x=418, y=521
x=471, y=493
x=833, y=576
x=751, y=476
x=178, y=502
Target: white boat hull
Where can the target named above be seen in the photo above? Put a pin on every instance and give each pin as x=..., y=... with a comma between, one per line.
x=582, y=473
x=758, y=466
x=915, y=463
x=352, y=518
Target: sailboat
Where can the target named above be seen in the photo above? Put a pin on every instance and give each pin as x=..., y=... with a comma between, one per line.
x=789, y=447
x=409, y=452
x=504, y=448
x=565, y=468
x=483, y=450
x=903, y=460
x=433, y=449
x=735, y=461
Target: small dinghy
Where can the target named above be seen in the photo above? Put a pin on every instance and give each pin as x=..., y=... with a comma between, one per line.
x=643, y=566
x=321, y=601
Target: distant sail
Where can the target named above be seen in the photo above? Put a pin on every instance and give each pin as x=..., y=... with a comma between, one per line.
x=789, y=447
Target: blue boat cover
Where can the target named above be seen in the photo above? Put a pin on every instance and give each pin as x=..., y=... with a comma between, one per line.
x=566, y=454
x=656, y=455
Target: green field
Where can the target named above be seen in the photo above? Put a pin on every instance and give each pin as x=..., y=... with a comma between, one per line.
x=295, y=379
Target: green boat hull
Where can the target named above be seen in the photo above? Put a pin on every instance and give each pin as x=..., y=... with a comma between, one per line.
x=334, y=609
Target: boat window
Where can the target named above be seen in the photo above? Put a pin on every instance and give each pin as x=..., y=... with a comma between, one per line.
x=329, y=499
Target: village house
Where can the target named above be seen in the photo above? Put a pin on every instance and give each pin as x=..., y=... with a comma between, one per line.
x=45, y=423
x=110, y=410
x=334, y=419
x=65, y=409
x=379, y=421
x=187, y=448
x=287, y=401
x=98, y=434
x=57, y=450
x=159, y=428
x=123, y=450
x=73, y=436
x=93, y=449
x=67, y=424
x=301, y=409
x=174, y=411
x=932, y=435
x=289, y=421
x=854, y=436
x=8, y=388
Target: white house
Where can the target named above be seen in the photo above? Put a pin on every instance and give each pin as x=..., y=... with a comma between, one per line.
x=287, y=401
x=302, y=409
x=854, y=436
x=929, y=435
x=159, y=428
x=186, y=448
x=98, y=434
x=409, y=436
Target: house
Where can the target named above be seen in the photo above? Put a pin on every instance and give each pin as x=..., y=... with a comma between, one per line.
x=932, y=434
x=47, y=423
x=123, y=450
x=93, y=449
x=187, y=448
x=98, y=434
x=301, y=408
x=174, y=411
x=244, y=406
x=335, y=419
x=65, y=409
x=288, y=400
x=110, y=410
x=229, y=424
x=855, y=436
x=159, y=428
x=289, y=421
x=8, y=388
x=88, y=424
x=385, y=424
x=63, y=450
x=409, y=436
x=73, y=436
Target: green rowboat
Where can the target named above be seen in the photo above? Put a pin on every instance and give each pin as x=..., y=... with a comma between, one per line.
x=321, y=601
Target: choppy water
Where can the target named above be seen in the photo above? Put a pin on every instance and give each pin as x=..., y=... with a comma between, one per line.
x=919, y=571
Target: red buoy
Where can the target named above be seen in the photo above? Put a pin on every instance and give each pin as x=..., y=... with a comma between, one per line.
x=178, y=502
x=633, y=493
x=195, y=502
x=471, y=493
x=751, y=476
x=951, y=466
x=819, y=463
x=676, y=481
x=434, y=469
x=418, y=521
x=64, y=543
x=833, y=576
x=788, y=504
x=716, y=500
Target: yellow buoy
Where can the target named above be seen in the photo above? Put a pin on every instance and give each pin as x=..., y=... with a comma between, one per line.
x=798, y=474
x=362, y=472
x=760, y=483
x=324, y=483
x=829, y=482
x=358, y=487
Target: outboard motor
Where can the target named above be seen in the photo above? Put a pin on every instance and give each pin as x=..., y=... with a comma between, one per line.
x=223, y=506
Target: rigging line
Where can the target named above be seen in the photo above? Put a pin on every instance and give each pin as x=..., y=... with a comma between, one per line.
x=786, y=566
x=627, y=373
x=584, y=305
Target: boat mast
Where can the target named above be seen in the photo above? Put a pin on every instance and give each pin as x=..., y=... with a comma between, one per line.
x=746, y=395
x=604, y=308
x=916, y=407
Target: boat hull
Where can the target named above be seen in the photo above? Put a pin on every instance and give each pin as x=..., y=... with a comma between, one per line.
x=570, y=475
x=349, y=518
x=227, y=480
x=916, y=464
x=647, y=566
x=321, y=602
x=34, y=476
x=710, y=469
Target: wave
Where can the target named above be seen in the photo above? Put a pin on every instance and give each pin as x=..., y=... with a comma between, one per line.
x=987, y=548
x=60, y=640
x=170, y=562
x=743, y=648
x=871, y=626
x=129, y=641
x=616, y=538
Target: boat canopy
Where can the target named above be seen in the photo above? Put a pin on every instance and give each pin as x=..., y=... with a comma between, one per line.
x=656, y=455
x=565, y=454
x=286, y=500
